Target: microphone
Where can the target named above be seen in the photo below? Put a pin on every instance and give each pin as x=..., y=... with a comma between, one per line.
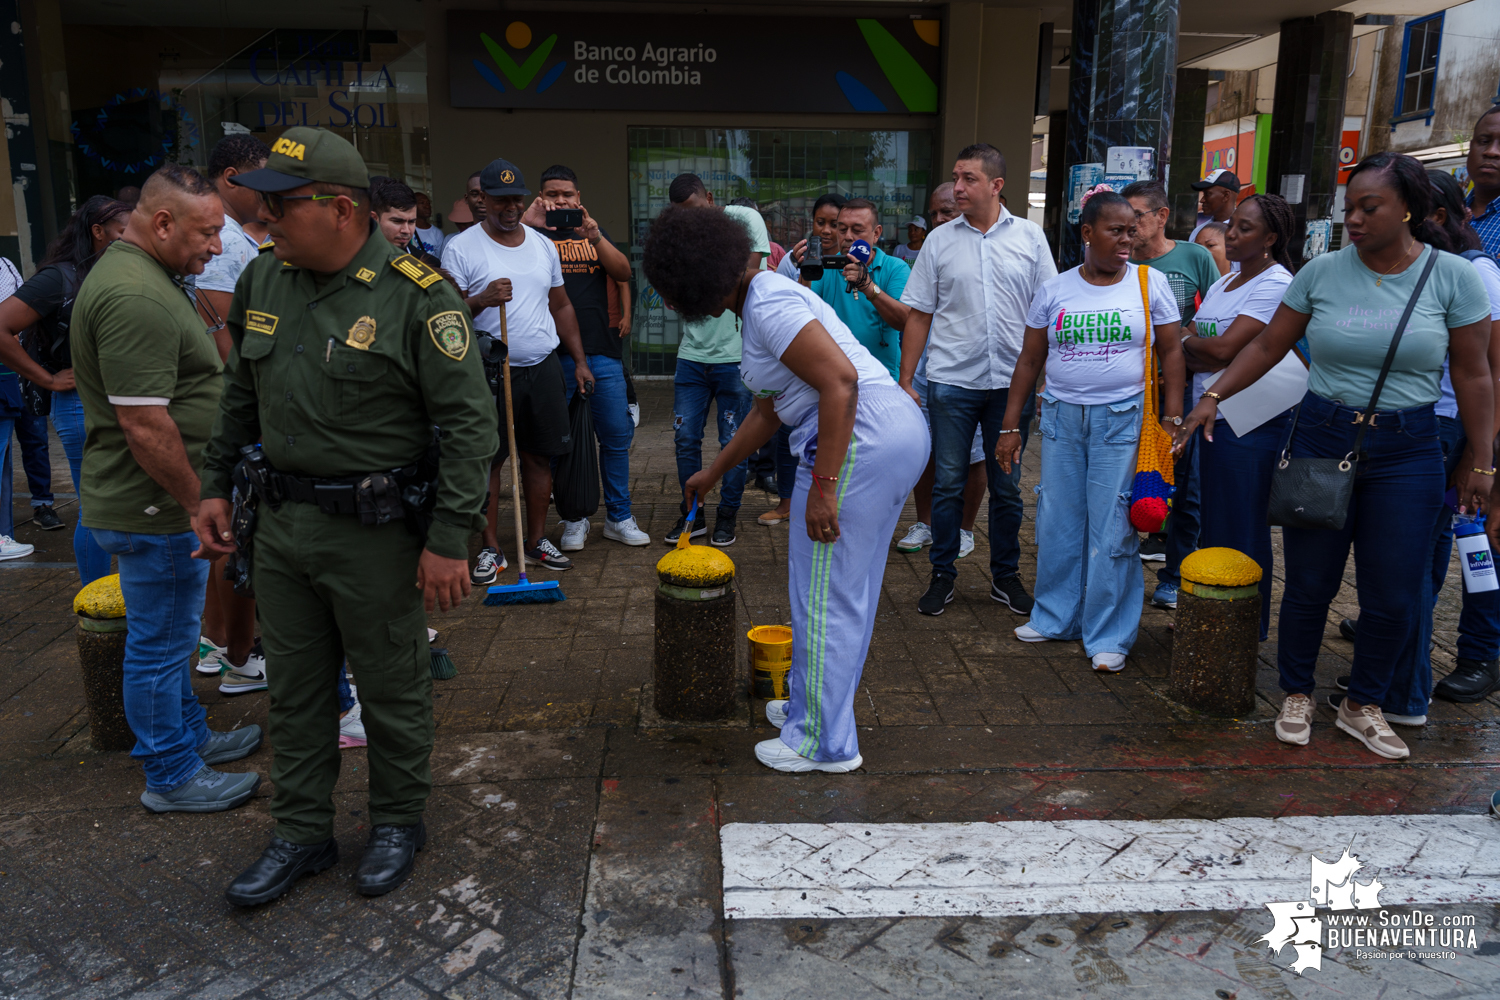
x=861, y=253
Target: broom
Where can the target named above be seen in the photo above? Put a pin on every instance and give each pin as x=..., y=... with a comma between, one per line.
x=522, y=591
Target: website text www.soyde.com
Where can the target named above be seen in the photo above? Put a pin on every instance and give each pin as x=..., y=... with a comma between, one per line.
x=1414, y=931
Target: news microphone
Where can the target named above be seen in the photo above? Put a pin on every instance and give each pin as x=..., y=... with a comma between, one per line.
x=861, y=253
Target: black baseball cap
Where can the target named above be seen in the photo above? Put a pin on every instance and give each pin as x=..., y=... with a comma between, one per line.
x=1217, y=178
x=501, y=178
x=304, y=155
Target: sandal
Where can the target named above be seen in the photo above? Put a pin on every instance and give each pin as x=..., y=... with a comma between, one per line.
x=771, y=517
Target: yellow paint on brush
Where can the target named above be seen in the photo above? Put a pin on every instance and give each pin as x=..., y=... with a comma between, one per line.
x=695, y=566
x=1220, y=567
x=101, y=599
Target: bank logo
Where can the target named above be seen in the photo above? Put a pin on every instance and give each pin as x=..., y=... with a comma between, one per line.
x=520, y=75
x=1331, y=885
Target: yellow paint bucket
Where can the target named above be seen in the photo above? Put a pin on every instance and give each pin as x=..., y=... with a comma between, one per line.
x=770, y=659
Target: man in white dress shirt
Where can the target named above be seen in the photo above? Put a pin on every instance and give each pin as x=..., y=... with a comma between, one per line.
x=969, y=294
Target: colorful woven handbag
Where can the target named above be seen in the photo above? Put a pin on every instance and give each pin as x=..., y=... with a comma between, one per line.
x=1151, y=491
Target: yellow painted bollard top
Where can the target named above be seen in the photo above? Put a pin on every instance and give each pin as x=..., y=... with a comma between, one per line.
x=695, y=566
x=101, y=599
x=1223, y=573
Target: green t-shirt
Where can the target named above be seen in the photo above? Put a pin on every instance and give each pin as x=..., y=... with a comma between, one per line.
x=137, y=340
x=716, y=340
x=1352, y=322
x=1190, y=270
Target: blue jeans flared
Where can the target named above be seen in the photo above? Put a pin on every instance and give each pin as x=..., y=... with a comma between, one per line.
x=695, y=385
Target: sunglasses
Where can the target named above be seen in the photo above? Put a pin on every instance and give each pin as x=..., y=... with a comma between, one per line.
x=276, y=203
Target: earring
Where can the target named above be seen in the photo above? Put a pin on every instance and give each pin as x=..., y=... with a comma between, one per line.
x=1085, y=244
x=1407, y=218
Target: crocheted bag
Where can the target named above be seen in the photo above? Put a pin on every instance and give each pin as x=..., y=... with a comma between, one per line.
x=1151, y=491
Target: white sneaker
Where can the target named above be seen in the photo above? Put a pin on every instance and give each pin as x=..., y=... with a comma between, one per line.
x=1028, y=634
x=1294, y=721
x=626, y=531
x=1109, y=663
x=916, y=536
x=352, y=729
x=635, y=413
x=574, y=534
x=965, y=542
x=776, y=754
x=251, y=676
x=12, y=549
x=210, y=657
x=776, y=712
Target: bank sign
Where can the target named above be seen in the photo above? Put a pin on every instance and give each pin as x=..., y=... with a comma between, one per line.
x=687, y=62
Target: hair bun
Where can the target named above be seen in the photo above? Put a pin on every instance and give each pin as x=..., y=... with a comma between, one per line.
x=1096, y=189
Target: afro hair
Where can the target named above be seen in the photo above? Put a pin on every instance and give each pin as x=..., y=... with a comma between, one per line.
x=694, y=257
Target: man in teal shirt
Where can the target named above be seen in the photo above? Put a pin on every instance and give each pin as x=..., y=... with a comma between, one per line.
x=873, y=311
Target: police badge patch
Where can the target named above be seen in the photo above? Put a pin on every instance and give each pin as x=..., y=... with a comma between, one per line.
x=450, y=332
x=362, y=333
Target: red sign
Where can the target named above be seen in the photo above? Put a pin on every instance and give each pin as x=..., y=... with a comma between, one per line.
x=1348, y=154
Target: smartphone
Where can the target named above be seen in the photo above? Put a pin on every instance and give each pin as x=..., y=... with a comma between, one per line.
x=564, y=218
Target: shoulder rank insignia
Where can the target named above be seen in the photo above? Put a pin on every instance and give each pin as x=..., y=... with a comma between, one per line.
x=450, y=332
x=362, y=333
x=266, y=247
x=417, y=271
x=364, y=274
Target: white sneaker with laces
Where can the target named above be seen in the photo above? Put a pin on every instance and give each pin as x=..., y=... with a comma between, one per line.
x=965, y=542
x=1294, y=721
x=916, y=536
x=776, y=754
x=251, y=676
x=210, y=657
x=1109, y=663
x=776, y=712
x=12, y=549
x=574, y=535
x=352, y=729
x=635, y=413
x=626, y=531
x=1028, y=634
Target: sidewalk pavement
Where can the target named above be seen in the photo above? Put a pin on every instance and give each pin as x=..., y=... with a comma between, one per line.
x=575, y=842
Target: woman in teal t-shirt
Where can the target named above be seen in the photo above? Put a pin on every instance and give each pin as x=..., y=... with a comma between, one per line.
x=1348, y=304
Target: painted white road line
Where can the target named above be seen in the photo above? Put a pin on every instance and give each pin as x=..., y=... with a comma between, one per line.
x=784, y=870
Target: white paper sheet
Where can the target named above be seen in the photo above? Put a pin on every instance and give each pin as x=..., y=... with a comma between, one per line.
x=1275, y=392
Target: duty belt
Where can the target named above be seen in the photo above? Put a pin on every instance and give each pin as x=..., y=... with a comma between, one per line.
x=333, y=496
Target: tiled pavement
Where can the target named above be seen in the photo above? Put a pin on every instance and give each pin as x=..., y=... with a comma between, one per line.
x=574, y=847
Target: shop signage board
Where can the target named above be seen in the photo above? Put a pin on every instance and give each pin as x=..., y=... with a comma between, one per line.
x=683, y=62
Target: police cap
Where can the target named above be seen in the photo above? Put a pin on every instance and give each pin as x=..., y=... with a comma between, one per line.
x=304, y=155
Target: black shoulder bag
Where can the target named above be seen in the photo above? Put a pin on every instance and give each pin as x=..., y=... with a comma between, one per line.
x=1315, y=492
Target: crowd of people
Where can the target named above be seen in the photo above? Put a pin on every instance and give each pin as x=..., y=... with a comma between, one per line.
x=341, y=428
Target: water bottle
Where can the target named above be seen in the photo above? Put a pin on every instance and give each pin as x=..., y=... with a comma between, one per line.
x=1474, y=555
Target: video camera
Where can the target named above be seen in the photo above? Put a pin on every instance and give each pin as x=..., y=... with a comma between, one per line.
x=812, y=267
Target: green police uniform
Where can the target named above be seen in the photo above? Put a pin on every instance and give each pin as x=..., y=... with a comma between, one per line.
x=342, y=375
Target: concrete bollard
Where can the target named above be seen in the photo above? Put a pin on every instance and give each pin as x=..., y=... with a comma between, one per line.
x=694, y=667
x=1217, y=637
x=100, y=608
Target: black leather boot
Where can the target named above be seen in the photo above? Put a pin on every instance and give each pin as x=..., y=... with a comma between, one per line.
x=1471, y=680
x=389, y=857
x=280, y=865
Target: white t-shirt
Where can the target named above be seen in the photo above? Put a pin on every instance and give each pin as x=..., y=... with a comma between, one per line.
x=776, y=310
x=432, y=237
x=221, y=272
x=1257, y=298
x=905, y=252
x=1096, y=334
x=534, y=269
x=1489, y=273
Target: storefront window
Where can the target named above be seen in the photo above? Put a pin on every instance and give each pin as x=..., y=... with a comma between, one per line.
x=783, y=171
x=370, y=87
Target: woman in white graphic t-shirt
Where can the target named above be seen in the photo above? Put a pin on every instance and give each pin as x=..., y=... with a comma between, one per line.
x=1234, y=471
x=1088, y=326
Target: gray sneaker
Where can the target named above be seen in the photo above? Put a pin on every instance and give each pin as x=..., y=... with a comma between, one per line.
x=221, y=748
x=205, y=792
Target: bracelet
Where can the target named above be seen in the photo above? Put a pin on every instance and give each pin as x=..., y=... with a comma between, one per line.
x=1013, y=430
x=818, y=482
x=1212, y=395
x=1483, y=472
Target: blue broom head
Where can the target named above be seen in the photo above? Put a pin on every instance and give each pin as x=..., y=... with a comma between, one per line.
x=525, y=592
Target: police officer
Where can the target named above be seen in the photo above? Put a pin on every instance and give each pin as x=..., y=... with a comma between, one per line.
x=346, y=354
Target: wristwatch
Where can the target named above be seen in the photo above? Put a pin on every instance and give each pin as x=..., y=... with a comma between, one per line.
x=874, y=290
x=1176, y=421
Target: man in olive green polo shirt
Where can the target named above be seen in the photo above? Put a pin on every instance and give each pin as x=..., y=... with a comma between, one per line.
x=346, y=353
x=149, y=374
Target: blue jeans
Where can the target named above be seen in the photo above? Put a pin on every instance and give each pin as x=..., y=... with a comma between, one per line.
x=1236, y=491
x=1479, y=621
x=67, y=420
x=694, y=386
x=1089, y=583
x=31, y=432
x=346, y=692
x=612, y=428
x=786, y=463
x=163, y=586
x=1183, y=523
x=954, y=413
x=1398, y=491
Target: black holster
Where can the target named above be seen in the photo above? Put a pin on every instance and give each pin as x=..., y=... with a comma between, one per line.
x=242, y=520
